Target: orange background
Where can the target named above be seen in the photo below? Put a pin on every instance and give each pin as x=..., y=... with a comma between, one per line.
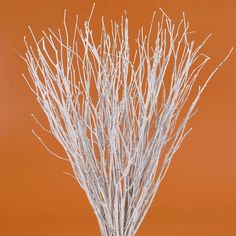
x=198, y=197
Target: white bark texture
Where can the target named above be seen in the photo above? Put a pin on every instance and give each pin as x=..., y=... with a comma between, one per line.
x=119, y=113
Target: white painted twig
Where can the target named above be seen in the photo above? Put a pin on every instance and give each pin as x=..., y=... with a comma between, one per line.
x=119, y=116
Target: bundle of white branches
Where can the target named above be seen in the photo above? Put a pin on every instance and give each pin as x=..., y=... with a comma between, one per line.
x=120, y=116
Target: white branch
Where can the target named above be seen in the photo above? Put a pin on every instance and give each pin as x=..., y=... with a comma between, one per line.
x=120, y=116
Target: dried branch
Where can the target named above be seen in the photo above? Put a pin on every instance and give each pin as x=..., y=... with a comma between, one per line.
x=120, y=117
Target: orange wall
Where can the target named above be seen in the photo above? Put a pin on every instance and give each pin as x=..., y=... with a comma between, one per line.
x=198, y=195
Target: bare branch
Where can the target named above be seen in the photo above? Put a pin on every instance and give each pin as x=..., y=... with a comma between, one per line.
x=120, y=116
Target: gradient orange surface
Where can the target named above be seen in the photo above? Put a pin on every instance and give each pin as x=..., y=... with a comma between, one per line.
x=198, y=196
